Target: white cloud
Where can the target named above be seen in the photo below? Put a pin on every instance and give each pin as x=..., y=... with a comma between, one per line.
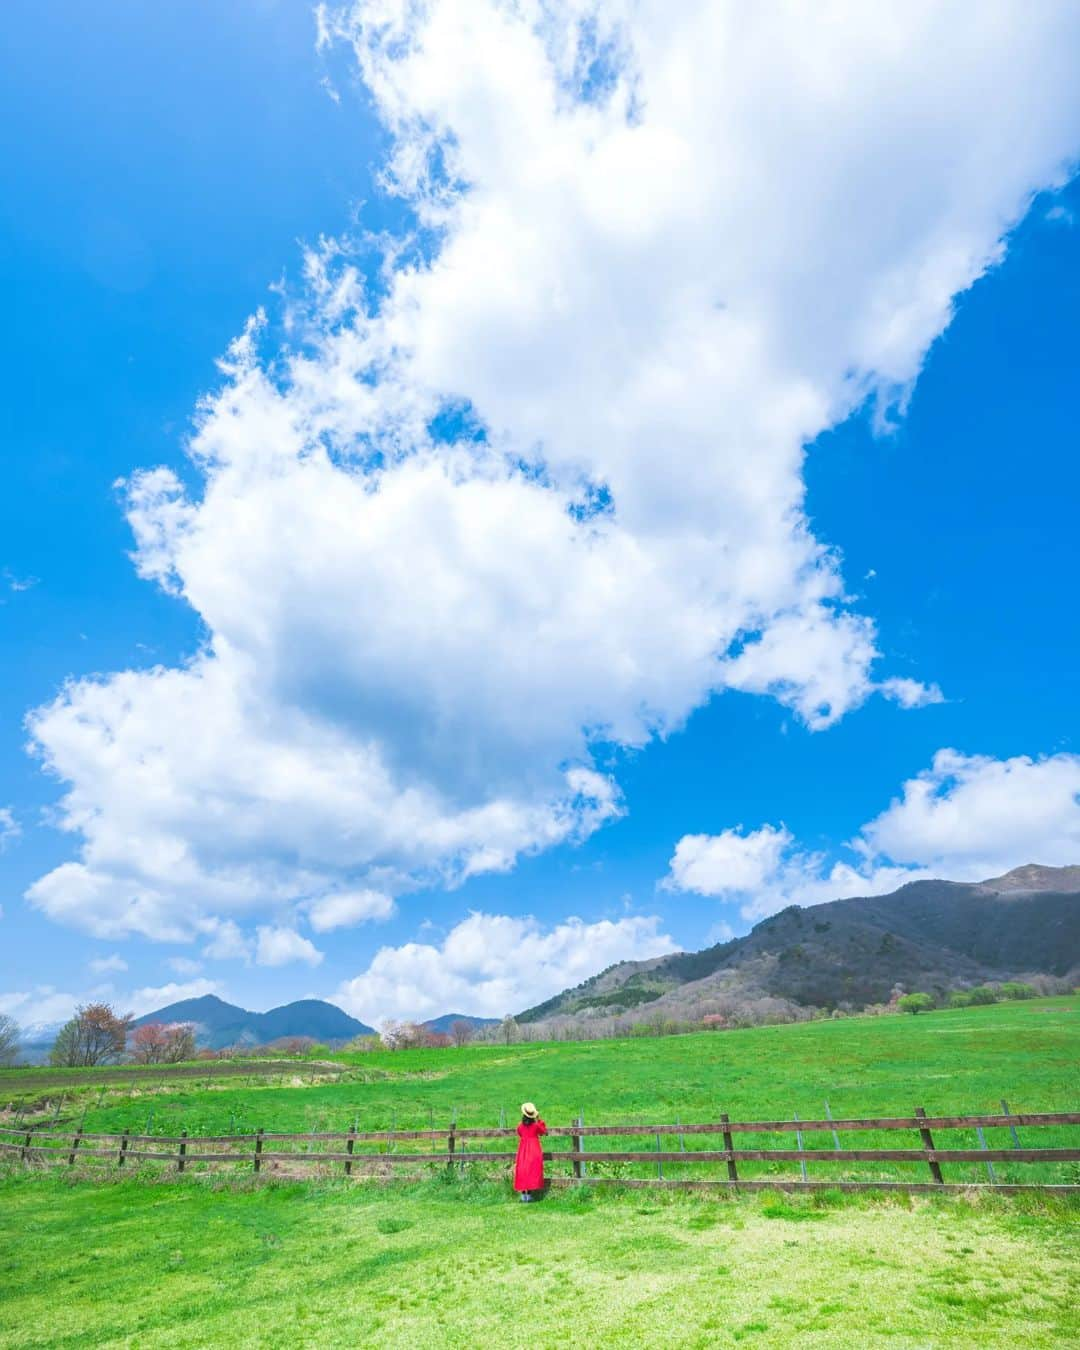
x=650, y=288
x=280, y=946
x=492, y=964
x=10, y=829
x=966, y=818
x=227, y=941
x=17, y=584
x=971, y=817
x=719, y=932
x=39, y=1008
x=44, y=1007
x=150, y=998
x=910, y=693
x=101, y=965
x=347, y=908
x=765, y=871
x=184, y=965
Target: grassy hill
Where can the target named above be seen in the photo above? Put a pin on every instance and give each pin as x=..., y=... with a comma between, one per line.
x=959, y=1060
x=929, y=935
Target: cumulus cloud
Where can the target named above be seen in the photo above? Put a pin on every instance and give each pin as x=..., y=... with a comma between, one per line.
x=972, y=817
x=282, y=946
x=966, y=818
x=184, y=965
x=493, y=964
x=101, y=965
x=38, y=1008
x=534, y=486
x=42, y=1007
x=764, y=870
x=227, y=941
x=348, y=908
x=151, y=998
x=10, y=829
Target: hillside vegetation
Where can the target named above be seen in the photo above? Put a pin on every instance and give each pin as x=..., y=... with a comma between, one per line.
x=930, y=935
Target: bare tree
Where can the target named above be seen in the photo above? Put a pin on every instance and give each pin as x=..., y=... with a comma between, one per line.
x=9, y=1039
x=181, y=1043
x=95, y=1035
x=461, y=1032
x=508, y=1027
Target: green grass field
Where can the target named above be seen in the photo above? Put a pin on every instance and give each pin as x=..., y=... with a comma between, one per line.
x=961, y=1060
x=184, y=1265
x=90, y=1256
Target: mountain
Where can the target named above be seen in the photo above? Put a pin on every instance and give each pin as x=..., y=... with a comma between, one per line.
x=447, y=1020
x=218, y=1023
x=930, y=935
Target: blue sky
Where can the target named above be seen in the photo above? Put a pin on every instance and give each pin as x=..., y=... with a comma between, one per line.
x=165, y=172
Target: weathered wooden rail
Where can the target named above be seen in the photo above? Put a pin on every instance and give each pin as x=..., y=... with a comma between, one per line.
x=49, y=1146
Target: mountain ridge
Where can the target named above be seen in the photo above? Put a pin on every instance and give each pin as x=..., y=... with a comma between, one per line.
x=218, y=1024
x=853, y=952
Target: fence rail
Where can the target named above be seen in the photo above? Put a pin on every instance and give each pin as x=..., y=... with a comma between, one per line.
x=49, y=1146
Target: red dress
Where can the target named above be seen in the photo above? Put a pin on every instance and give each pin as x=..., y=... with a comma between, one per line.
x=529, y=1167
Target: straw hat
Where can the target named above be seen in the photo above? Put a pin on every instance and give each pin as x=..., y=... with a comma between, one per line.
x=529, y=1110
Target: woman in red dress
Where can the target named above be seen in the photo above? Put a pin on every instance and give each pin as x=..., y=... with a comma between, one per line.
x=529, y=1167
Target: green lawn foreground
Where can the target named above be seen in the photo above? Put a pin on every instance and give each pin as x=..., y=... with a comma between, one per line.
x=142, y=1263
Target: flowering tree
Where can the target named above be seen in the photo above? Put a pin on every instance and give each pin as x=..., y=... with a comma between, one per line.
x=95, y=1035
x=158, y=1043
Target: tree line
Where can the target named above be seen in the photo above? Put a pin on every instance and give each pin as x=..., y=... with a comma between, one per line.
x=979, y=996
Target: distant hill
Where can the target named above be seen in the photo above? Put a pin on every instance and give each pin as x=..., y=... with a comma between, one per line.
x=447, y=1020
x=218, y=1023
x=929, y=935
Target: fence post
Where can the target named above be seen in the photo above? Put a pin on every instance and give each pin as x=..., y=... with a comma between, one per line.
x=258, y=1148
x=1012, y=1128
x=732, y=1170
x=123, y=1149
x=450, y=1151
x=798, y=1140
x=349, y=1151
x=575, y=1147
x=989, y=1164
x=659, y=1164
x=26, y=1146
x=928, y=1144
x=76, y=1141
x=182, y=1152
x=835, y=1136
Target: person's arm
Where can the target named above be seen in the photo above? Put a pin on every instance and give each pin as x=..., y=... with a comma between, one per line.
x=541, y=1128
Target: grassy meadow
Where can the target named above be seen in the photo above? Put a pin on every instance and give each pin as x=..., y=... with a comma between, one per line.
x=93, y=1256
x=164, y=1264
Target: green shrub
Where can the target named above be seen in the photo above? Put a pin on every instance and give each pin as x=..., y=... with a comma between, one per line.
x=1015, y=989
x=915, y=1003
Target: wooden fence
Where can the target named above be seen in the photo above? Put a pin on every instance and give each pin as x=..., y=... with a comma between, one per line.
x=377, y=1154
